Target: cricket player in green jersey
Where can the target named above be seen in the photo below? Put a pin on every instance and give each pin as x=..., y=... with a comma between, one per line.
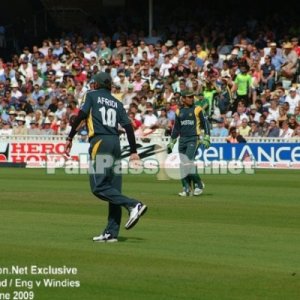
x=103, y=113
x=189, y=122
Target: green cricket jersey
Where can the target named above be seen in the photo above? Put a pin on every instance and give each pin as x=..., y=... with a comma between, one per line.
x=104, y=112
x=189, y=121
x=243, y=82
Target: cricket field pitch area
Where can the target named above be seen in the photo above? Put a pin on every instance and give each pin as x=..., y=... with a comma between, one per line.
x=239, y=240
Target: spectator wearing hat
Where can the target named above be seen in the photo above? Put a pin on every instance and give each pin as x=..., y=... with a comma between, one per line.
x=220, y=130
x=46, y=128
x=21, y=128
x=290, y=57
x=15, y=92
x=12, y=114
x=6, y=129
x=34, y=128
x=83, y=136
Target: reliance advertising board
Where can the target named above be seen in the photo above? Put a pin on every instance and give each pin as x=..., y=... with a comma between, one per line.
x=268, y=152
x=36, y=153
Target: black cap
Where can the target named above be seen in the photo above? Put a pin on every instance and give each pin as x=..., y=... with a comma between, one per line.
x=102, y=78
x=187, y=93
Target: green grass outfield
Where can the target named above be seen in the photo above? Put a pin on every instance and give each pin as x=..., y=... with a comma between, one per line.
x=239, y=240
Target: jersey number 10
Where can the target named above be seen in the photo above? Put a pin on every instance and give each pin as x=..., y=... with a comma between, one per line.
x=108, y=116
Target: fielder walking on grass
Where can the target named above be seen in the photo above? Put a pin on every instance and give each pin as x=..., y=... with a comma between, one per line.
x=103, y=113
x=189, y=121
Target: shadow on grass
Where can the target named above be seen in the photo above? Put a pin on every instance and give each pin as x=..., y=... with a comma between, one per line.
x=121, y=239
x=130, y=239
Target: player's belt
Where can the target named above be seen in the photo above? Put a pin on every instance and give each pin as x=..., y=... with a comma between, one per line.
x=101, y=134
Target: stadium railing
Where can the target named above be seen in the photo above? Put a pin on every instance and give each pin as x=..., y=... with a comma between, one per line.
x=149, y=138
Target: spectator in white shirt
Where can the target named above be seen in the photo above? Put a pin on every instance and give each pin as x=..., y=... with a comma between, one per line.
x=60, y=110
x=149, y=119
x=293, y=99
x=15, y=90
x=285, y=131
x=164, y=70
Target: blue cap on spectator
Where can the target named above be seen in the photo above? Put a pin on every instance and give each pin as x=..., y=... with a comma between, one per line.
x=199, y=62
x=83, y=132
x=23, y=99
x=159, y=85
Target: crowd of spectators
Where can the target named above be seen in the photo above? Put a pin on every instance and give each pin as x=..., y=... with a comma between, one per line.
x=248, y=84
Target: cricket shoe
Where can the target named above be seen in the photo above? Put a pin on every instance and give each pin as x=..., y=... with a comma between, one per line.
x=185, y=194
x=105, y=238
x=197, y=192
x=135, y=214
